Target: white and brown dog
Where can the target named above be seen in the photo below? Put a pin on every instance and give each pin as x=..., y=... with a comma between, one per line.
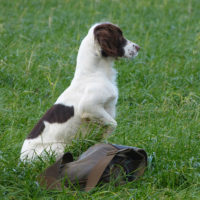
x=92, y=94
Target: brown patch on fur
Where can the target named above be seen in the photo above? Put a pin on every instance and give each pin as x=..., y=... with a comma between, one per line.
x=111, y=40
x=58, y=113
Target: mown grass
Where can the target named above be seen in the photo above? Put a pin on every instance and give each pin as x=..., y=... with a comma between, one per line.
x=159, y=92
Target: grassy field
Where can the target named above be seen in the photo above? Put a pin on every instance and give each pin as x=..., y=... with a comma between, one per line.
x=159, y=92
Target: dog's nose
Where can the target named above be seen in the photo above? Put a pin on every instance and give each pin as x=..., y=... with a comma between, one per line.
x=137, y=47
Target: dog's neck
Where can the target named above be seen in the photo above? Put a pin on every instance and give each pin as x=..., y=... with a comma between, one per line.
x=90, y=61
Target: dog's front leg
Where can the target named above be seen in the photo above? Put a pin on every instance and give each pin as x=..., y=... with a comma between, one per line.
x=97, y=113
x=94, y=105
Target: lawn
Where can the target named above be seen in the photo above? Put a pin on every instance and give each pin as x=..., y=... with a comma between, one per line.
x=159, y=92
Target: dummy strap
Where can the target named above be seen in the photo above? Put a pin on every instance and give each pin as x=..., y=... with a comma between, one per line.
x=96, y=173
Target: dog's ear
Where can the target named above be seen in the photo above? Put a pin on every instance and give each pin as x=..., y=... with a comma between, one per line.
x=110, y=39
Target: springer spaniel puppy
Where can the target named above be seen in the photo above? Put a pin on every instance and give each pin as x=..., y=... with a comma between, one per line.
x=91, y=96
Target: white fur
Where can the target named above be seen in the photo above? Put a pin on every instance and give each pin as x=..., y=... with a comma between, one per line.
x=93, y=94
x=130, y=49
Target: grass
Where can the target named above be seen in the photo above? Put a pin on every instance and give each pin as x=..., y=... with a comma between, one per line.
x=159, y=92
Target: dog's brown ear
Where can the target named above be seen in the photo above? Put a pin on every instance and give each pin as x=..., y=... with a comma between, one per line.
x=110, y=39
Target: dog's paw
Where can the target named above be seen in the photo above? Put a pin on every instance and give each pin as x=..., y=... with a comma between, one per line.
x=109, y=128
x=112, y=123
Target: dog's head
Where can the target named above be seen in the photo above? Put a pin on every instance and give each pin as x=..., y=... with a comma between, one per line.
x=112, y=43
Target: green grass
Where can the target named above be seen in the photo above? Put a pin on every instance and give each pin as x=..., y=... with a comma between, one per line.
x=159, y=92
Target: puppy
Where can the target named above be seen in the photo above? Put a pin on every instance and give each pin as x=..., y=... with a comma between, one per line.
x=91, y=96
